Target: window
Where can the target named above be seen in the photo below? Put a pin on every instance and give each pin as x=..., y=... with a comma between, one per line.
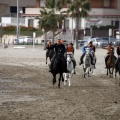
x=67, y=24
x=106, y=3
x=42, y=3
x=13, y=9
x=30, y=22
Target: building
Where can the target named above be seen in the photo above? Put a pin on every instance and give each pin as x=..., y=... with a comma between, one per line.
x=103, y=12
x=8, y=10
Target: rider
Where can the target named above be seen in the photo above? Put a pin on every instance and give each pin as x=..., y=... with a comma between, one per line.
x=108, y=48
x=118, y=53
x=70, y=48
x=118, y=50
x=92, y=46
x=59, y=47
x=49, y=43
x=83, y=53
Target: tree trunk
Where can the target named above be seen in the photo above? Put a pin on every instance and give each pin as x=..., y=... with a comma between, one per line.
x=53, y=37
x=45, y=39
x=76, y=32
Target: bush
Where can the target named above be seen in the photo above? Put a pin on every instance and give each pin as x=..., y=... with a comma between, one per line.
x=28, y=31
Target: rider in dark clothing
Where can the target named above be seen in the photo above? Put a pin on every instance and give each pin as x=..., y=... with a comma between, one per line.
x=118, y=50
x=118, y=53
x=59, y=47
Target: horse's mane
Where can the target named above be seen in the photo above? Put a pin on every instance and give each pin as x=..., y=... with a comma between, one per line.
x=111, y=55
x=111, y=60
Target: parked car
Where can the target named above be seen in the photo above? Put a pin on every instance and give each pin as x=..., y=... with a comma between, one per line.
x=112, y=40
x=87, y=38
x=96, y=41
x=103, y=43
x=81, y=42
x=24, y=39
x=117, y=43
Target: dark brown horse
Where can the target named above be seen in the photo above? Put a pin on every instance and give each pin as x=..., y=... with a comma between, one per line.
x=110, y=63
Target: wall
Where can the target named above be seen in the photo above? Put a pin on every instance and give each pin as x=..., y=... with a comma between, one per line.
x=21, y=2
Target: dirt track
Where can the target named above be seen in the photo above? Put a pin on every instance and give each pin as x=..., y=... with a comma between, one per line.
x=26, y=91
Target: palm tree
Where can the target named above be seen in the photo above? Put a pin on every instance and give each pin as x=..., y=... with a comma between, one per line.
x=78, y=9
x=49, y=20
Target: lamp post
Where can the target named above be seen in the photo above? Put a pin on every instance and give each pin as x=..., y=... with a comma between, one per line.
x=17, y=32
x=21, y=12
x=72, y=28
x=44, y=37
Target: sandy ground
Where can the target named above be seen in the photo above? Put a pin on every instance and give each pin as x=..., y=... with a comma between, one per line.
x=27, y=93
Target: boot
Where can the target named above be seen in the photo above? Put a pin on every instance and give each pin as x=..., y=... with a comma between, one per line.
x=81, y=62
x=92, y=63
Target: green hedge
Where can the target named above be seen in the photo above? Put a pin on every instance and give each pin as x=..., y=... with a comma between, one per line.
x=28, y=31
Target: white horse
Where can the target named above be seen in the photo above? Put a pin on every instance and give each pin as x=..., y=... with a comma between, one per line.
x=87, y=66
x=70, y=68
x=94, y=58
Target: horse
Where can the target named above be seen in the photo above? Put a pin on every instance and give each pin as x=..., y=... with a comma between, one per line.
x=110, y=63
x=58, y=67
x=49, y=53
x=87, y=66
x=70, y=68
x=117, y=68
x=94, y=58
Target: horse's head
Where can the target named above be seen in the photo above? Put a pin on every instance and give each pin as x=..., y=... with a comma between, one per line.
x=111, y=51
x=69, y=57
x=87, y=50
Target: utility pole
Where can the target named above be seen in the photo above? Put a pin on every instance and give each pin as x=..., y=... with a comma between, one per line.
x=17, y=32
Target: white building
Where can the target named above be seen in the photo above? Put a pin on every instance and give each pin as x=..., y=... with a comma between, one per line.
x=103, y=12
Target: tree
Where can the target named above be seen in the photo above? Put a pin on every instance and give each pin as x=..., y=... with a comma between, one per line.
x=78, y=9
x=49, y=19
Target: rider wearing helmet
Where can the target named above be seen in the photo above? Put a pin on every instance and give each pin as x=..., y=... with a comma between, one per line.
x=58, y=48
x=70, y=48
x=84, y=48
x=108, y=48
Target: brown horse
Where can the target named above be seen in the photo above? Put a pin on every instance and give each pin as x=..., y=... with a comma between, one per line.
x=110, y=63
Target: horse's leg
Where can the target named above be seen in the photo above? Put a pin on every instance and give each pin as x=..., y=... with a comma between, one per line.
x=59, y=79
x=88, y=71
x=46, y=59
x=84, y=72
x=54, y=79
x=115, y=73
x=110, y=72
x=69, y=81
x=119, y=79
x=65, y=78
x=62, y=78
x=107, y=71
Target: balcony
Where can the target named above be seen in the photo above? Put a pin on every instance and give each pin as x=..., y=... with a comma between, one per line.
x=93, y=12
